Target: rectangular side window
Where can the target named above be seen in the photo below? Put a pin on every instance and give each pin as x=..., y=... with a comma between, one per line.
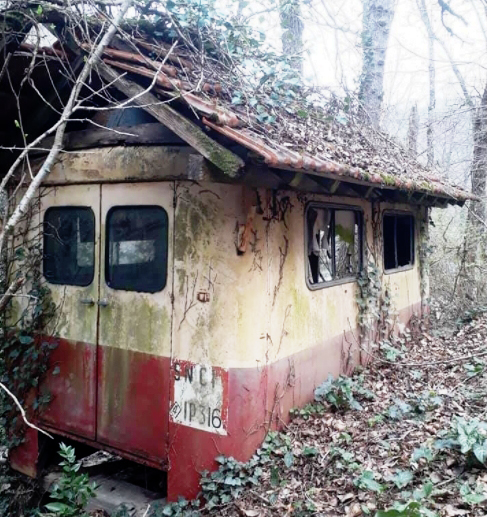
x=136, y=250
x=398, y=235
x=69, y=245
x=334, y=244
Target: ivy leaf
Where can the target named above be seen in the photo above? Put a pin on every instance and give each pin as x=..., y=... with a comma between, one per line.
x=288, y=459
x=275, y=478
x=402, y=478
x=366, y=480
x=474, y=498
x=310, y=451
x=480, y=451
x=423, y=492
x=57, y=507
x=422, y=452
x=26, y=340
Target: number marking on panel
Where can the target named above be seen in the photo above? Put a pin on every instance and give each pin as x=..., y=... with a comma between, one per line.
x=199, y=396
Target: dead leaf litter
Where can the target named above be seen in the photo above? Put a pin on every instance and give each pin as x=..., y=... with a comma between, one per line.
x=356, y=463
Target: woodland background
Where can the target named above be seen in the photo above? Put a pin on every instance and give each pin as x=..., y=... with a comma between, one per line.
x=415, y=69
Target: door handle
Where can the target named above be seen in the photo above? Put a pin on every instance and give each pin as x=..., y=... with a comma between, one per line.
x=87, y=301
x=103, y=302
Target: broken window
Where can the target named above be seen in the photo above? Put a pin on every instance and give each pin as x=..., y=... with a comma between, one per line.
x=334, y=244
x=137, y=248
x=398, y=233
x=69, y=245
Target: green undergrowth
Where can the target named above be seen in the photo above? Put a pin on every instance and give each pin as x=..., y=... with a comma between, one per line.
x=406, y=491
x=388, y=443
x=71, y=494
x=410, y=491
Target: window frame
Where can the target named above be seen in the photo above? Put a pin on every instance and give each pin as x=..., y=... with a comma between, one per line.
x=107, y=247
x=408, y=267
x=333, y=206
x=65, y=208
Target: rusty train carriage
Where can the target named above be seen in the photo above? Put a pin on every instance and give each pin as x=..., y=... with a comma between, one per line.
x=206, y=276
x=207, y=360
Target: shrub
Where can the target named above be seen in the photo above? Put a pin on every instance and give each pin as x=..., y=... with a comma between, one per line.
x=341, y=392
x=73, y=490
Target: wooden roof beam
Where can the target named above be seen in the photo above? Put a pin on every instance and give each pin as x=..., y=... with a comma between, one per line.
x=335, y=186
x=228, y=162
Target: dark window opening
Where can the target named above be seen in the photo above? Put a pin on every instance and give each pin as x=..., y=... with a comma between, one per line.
x=334, y=244
x=69, y=245
x=398, y=234
x=136, y=251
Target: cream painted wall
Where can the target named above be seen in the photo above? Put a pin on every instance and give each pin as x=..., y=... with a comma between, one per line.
x=230, y=310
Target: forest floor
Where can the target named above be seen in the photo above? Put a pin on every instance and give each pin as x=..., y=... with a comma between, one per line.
x=407, y=436
x=403, y=447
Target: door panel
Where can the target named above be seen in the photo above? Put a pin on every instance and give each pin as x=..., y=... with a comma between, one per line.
x=70, y=217
x=135, y=317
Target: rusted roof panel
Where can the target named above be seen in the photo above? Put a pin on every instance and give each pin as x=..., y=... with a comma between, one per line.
x=208, y=100
x=345, y=150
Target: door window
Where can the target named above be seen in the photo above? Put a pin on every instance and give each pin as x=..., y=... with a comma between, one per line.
x=136, y=251
x=69, y=245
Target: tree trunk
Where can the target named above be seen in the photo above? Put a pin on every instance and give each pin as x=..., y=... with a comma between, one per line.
x=377, y=20
x=432, y=93
x=292, y=32
x=471, y=283
x=413, y=131
x=479, y=161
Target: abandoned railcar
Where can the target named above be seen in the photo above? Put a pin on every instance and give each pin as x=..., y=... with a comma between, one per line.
x=206, y=280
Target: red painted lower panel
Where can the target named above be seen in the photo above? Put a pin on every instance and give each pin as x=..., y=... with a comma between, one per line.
x=259, y=400
x=134, y=397
x=133, y=402
x=24, y=457
x=191, y=451
x=71, y=382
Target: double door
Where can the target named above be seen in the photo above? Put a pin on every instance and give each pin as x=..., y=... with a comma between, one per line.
x=108, y=264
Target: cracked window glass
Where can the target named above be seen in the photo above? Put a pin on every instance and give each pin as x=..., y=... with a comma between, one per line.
x=334, y=244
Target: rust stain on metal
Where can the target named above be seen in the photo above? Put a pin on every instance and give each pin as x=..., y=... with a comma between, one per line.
x=245, y=230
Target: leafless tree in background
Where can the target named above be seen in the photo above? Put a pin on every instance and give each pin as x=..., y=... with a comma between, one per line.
x=432, y=83
x=377, y=20
x=413, y=131
x=292, y=32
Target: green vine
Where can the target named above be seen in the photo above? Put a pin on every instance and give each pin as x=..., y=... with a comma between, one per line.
x=368, y=301
x=24, y=355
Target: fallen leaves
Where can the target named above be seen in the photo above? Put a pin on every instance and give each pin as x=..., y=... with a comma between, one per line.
x=354, y=463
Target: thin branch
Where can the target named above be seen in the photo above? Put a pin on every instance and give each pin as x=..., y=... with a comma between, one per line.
x=23, y=205
x=22, y=411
